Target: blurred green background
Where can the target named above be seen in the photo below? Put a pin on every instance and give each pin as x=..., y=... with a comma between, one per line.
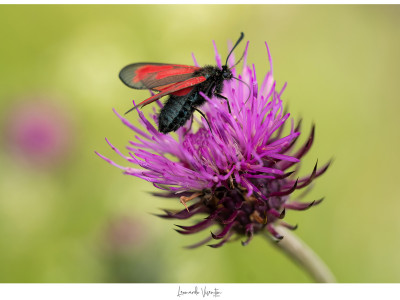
x=77, y=219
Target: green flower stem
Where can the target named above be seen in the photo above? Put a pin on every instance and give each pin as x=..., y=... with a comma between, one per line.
x=298, y=251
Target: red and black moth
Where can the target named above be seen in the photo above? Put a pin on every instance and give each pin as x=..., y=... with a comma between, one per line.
x=181, y=83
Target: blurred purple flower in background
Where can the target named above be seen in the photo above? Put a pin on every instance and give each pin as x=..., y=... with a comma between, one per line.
x=127, y=251
x=37, y=132
x=241, y=174
x=124, y=232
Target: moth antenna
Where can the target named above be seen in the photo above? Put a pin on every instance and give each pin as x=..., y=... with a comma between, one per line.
x=237, y=43
x=237, y=61
x=240, y=59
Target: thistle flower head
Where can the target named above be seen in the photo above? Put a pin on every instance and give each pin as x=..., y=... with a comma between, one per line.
x=238, y=174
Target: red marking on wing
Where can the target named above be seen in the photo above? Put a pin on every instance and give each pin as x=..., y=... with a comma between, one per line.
x=163, y=87
x=182, y=92
x=155, y=76
x=184, y=86
x=160, y=72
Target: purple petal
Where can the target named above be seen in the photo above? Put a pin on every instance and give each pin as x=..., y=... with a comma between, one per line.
x=301, y=206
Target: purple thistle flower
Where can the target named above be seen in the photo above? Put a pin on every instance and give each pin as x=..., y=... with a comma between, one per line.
x=239, y=173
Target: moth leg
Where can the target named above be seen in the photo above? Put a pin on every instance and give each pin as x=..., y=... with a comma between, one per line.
x=191, y=123
x=227, y=101
x=200, y=112
x=190, y=127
